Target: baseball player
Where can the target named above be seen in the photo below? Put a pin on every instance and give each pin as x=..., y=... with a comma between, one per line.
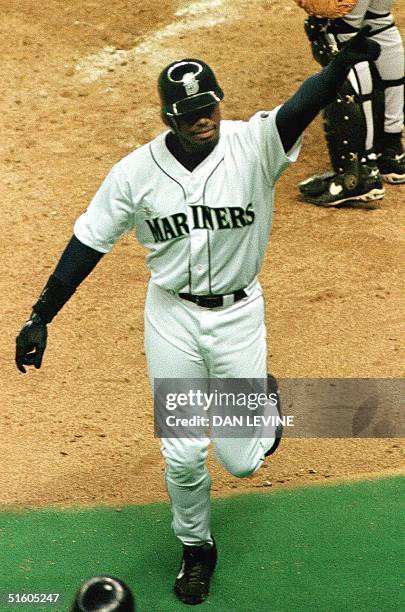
x=199, y=197
x=364, y=124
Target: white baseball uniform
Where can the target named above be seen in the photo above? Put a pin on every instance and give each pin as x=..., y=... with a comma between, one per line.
x=206, y=231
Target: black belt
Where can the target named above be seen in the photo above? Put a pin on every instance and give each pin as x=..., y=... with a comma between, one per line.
x=212, y=301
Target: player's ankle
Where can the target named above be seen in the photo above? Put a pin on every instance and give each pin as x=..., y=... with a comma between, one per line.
x=392, y=141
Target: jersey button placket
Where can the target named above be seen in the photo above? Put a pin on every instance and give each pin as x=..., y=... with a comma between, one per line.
x=198, y=267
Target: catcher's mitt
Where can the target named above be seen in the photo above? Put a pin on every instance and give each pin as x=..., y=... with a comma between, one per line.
x=332, y=9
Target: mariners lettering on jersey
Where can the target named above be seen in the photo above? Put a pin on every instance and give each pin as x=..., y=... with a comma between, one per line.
x=203, y=217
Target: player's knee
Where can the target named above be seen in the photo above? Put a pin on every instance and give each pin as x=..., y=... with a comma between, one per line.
x=239, y=468
x=185, y=469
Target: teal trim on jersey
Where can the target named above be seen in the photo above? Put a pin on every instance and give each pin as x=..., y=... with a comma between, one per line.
x=328, y=548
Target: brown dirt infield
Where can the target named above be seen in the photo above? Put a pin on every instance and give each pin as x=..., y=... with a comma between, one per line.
x=80, y=430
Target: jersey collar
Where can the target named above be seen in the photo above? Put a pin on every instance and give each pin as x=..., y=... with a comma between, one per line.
x=171, y=166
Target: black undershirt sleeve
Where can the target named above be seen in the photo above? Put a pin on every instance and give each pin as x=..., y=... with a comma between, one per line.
x=75, y=264
x=315, y=93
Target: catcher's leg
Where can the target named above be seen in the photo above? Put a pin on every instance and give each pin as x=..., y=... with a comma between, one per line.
x=348, y=125
x=388, y=84
x=390, y=67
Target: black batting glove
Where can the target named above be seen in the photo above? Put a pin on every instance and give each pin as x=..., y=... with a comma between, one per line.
x=31, y=343
x=360, y=48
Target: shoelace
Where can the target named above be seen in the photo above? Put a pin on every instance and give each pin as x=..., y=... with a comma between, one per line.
x=197, y=572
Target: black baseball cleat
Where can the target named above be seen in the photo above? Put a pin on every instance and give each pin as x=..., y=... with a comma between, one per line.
x=197, y=566
x=344, y=189
x=392, y=167
x=272, y=387
x=317, y=184
x=391, y=158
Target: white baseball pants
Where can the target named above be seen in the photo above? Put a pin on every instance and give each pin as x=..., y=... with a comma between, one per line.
x=183, y=340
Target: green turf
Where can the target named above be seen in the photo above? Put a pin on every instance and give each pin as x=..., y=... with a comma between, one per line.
x=335, y=548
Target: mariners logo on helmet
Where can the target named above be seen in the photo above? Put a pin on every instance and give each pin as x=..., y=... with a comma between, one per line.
x=188, y=79
x=188, y=85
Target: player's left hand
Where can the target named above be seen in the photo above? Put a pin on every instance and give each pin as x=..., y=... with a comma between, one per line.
x=360, y=48
x=31, y=344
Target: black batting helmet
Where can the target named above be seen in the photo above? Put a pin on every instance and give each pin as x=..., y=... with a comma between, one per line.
x=188, y=85
x=104, y=594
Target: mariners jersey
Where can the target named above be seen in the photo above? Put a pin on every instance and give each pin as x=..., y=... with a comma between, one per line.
x=207, y=229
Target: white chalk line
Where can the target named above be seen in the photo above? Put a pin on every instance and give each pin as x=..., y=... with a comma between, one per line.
x=194, y=8
x=191, y=16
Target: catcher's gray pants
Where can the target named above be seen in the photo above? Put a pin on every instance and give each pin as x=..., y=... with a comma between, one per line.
x=183, y=340
x=390, y=64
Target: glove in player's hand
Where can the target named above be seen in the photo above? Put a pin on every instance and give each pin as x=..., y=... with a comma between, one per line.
x=360, y=48
x=31, y=344
x=327, y=8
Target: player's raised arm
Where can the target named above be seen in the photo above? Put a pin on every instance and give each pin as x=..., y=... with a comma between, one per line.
x=320, y=89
